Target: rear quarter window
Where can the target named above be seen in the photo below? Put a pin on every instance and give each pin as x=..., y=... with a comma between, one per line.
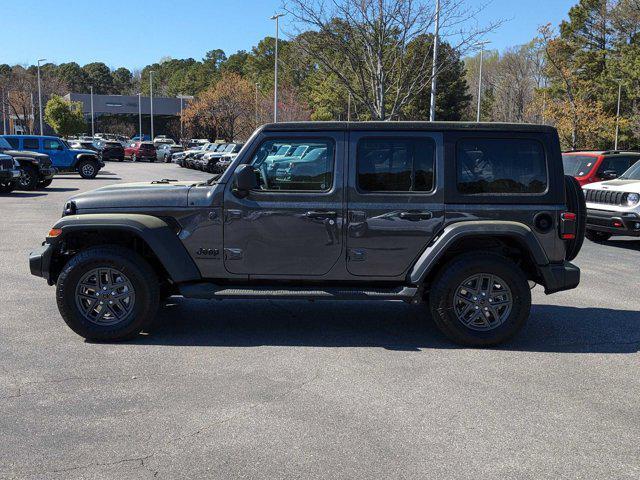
x=14, y=142
x=501, y=166
x=31, y=144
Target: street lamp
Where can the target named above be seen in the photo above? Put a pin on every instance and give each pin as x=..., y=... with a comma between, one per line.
x=481, y=45
x=182, y=97
x=151, y=72
x=257, y=85
x=40, y=95
x=93, y=130
x=275, y=67
x=434, y=67
x=619, y=80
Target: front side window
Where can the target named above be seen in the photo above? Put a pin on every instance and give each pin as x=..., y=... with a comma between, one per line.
x=311, y=171
x=31, y=144
x=614, y=164
x=501, y=166
x=395, y=164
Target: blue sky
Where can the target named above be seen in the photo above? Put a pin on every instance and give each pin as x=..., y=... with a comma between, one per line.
x=134, y=33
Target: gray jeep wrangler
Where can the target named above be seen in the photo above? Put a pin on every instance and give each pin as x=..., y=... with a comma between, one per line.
x=463, y=217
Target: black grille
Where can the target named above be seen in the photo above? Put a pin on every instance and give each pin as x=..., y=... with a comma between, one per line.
x=6, y=163
x=607, y=197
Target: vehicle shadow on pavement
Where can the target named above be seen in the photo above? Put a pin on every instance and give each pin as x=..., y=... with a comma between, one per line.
x=16, y=194
x=388, y=325
x=59, y=189
x=628, y=244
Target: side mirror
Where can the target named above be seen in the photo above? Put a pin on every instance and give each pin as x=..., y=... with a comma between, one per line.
x=244, y=180
x=609, y=175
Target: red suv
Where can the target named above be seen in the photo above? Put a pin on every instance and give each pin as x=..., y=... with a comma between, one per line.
x=596, y=166
x=141, y=151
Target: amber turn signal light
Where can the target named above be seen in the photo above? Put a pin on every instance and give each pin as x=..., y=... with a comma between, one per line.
x=55, y=232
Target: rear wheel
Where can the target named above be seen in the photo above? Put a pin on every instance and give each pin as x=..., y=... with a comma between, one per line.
x=596, y=236
x=45, y=183
x=88, y=169
x=29, y=178
x=107, y=293
x=480, y=299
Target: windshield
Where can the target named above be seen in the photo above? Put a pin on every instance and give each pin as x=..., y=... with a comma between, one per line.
x=64, y=142
x=4, y=145
x=230, y=147
x=578, y=165
x=632, y=174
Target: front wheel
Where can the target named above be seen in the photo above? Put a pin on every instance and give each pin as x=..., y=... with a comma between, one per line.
x=45, y=183
x=596, y=236
x=7, y=187
x=107, y=293
x=480, y=299
x=88, y=169
x=29, y=178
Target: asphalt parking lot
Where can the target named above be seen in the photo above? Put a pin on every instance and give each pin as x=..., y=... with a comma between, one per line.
x=275, y=389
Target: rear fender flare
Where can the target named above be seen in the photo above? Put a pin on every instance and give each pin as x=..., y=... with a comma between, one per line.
x=160, y=238
x=457, y=231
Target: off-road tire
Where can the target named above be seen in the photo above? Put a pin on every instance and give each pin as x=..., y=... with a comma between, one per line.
x=7, y=187
x=29, y=179
x=45, y=183
x=454, y=273
x=83, y=169
x=575, y=204
x=142, y=277
x=596, y=236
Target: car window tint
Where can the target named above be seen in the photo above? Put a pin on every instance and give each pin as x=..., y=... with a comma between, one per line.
x=310, y=172
x=395, y=164
x=52, y=144
x=14, y=142
x=501, y=166
x=31, y=144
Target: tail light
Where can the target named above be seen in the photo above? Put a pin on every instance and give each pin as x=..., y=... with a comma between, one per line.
x=567, y=225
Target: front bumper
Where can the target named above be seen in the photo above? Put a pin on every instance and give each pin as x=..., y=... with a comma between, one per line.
x=617, y=223
x=12, y=175
x=40, y=261
x=560, y=276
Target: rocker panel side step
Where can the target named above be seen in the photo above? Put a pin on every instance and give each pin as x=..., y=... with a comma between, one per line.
x=212, y=291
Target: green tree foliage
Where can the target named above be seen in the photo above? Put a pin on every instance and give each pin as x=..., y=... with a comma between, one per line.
x=73, y=76
x=65, y=117
x=99, y=77
x=122, y=81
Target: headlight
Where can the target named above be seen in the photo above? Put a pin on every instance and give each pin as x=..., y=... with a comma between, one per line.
x=632, y=199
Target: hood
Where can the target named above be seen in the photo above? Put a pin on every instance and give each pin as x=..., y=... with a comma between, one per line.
x=618, y=185
x=25, y=154
x=82, y=150
x=135, y=196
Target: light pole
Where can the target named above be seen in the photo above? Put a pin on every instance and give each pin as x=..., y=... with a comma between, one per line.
x=276, y=17
x=434, y=67
x=257, y=85
x=93, y=130
x=140, y=115
x=619, y=80
x=151, y=100
x=182, y=97
x=481, y=45
x=349, y=108
x=40, y=95
x=4, y=115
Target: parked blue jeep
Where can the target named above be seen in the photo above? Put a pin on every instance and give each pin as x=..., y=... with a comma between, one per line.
x=66, y=159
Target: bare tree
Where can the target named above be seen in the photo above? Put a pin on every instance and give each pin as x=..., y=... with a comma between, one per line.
x=366, y=44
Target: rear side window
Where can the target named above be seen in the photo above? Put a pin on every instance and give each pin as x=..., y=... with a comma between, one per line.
x=52, y=144
x=14, y=142
x=31, y=144
x=501, y=166
x=615, y=164
x=395, y=164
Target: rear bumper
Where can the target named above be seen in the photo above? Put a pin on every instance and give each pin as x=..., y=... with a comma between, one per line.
x=617, y=223
x=40, y=261
x=560, y=276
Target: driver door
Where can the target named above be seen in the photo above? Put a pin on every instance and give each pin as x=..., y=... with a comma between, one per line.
x=291, y=224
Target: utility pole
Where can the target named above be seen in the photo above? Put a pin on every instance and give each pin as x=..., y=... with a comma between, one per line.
x=151, y=100
x=276, y=17
x=140, y=115
x=618, y=112
x=40, y=95
x=93, y=130
x=434, y=67
x=481, y=44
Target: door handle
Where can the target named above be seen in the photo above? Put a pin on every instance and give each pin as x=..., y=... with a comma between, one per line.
x=414, y=215
x=321, y=214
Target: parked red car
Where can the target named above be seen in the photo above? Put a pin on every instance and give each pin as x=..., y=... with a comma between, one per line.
x=597, y=166
x=141, y=151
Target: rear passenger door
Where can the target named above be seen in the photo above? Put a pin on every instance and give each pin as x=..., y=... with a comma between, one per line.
x=395, y=202
x=55, y=149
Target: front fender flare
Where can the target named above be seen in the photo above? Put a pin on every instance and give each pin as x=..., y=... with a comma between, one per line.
x=162, y=240
x=452, y=233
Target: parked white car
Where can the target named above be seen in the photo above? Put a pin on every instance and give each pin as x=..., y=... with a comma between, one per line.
x=613, y=206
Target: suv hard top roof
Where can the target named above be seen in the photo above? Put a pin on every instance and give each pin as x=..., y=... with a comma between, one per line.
x=390, y=126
